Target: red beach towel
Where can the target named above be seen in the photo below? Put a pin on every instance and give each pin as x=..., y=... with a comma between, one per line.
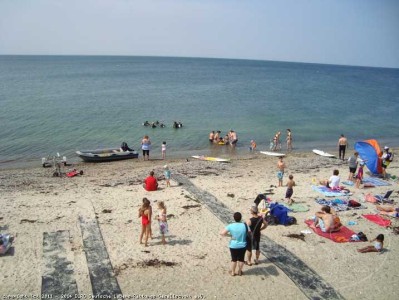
x=377, y=219
x=342, y=236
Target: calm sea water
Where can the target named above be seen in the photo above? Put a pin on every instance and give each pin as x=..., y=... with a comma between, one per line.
x=62, y=104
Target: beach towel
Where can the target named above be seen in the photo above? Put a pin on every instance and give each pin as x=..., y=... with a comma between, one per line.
x=342, y=236
x=365, y=184
x=376, y=181
x=296, y=207
x=337, y=204
x=377, y=219
x=329, y=192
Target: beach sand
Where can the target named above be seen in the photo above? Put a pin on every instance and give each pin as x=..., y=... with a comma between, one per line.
x=73, y=225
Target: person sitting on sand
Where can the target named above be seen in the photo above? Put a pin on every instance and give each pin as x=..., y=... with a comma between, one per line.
x=324, y=220
x=333, y=182
x=377, y=247
x=150, y=183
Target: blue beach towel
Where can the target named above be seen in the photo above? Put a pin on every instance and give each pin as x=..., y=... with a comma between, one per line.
x=328, y=192
x=375, y=181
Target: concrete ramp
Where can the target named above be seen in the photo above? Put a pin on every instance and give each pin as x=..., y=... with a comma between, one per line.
x=58, y=278
x=102, y=277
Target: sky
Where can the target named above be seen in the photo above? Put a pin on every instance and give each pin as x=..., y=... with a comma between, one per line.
x=345, y=32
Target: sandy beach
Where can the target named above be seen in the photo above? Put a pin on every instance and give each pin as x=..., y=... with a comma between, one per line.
x=87, y=228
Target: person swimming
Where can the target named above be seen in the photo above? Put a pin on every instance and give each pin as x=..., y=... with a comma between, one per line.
x=177, y=124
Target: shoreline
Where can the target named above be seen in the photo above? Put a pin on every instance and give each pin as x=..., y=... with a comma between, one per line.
x=240, y=153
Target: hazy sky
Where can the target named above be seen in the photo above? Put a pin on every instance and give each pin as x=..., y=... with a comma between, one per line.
x=349, y=32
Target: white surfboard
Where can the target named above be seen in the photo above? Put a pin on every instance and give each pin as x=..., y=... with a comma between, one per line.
x=272, y=153
x=322, y=153
x=209, y=158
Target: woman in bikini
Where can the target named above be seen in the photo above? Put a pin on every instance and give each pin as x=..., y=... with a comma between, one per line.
x=145, y=214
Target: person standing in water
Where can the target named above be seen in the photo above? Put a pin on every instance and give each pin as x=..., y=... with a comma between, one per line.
x=289, y=140
x=145, y=146
x=163, y=150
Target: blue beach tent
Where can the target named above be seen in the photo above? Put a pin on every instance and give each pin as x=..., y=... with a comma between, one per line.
x=370, y=152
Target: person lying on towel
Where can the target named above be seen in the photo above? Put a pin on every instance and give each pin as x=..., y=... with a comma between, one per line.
x=388, y=210
x=326, y=220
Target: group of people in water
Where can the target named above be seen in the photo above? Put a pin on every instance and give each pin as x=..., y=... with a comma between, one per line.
x=176, y=124
x=275, y=142
x=230, y=138
x=215, y=137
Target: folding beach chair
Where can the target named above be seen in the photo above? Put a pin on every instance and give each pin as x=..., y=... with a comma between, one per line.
x=385, y=198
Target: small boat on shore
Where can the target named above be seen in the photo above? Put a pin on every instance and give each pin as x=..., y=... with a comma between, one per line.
x=108, y=154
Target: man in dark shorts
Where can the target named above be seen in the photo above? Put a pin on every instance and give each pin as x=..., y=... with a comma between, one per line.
x=342, y=144
x=352, y=162
x=256, y=224
x=233, y=138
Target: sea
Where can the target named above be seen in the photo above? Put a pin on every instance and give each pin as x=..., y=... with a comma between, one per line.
x=61, y=104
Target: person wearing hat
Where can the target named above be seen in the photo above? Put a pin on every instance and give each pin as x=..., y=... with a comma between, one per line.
x=256, y=223
x=386, y=157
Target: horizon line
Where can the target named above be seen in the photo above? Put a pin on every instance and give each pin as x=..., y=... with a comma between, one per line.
x=203, y=57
